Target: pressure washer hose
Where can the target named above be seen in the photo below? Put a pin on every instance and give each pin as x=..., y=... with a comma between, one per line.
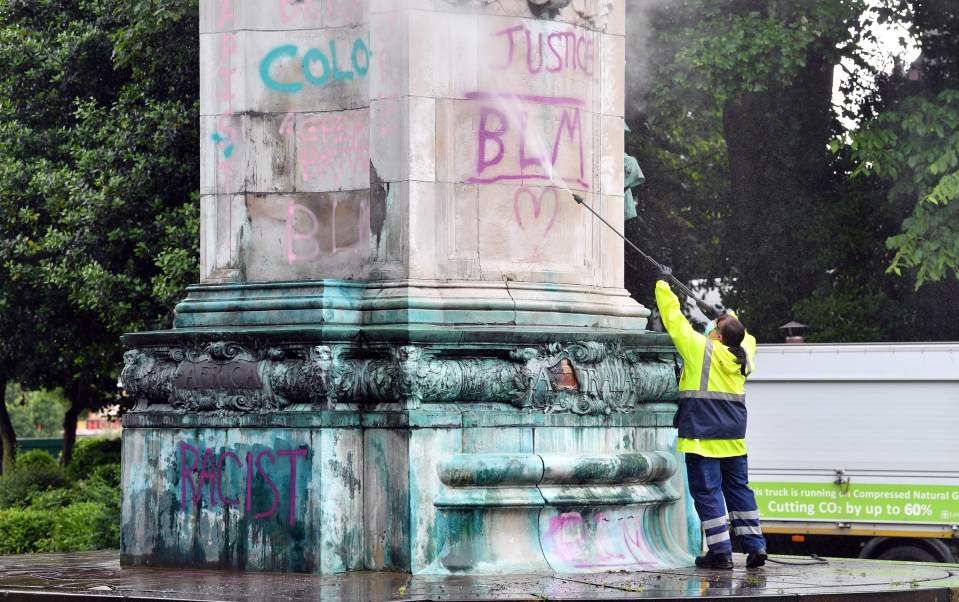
x=816, y=559
x=703, y=306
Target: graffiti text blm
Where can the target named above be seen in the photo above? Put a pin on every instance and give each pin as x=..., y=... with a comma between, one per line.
x=524, y=137
x=324, y=226
x=256, y=482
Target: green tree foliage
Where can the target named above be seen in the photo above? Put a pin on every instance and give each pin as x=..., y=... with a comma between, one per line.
x=733, y=134
x=733, y=142
x=902, y=162
x=98, y=180
x=916, y=147
x=35, y=413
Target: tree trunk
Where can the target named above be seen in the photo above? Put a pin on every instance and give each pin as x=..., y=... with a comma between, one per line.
x=779, y=185
x=8, y=437
x=70, y=431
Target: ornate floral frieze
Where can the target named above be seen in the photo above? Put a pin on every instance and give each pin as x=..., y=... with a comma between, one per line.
x=581, y=377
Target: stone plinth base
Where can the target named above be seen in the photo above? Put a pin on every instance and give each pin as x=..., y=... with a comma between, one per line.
x=331, y=426
x=421, y=491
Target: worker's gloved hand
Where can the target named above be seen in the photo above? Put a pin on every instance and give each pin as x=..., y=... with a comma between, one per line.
x=665, y=272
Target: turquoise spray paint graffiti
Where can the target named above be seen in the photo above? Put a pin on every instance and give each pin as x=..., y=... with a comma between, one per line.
x=288, y=50
x=220, y=139
x=315, y=56
x=359, y=59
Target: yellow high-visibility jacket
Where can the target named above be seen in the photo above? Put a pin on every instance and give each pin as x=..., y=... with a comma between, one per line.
x=712, y=415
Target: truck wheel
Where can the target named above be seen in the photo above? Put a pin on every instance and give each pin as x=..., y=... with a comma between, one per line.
x=907, y=553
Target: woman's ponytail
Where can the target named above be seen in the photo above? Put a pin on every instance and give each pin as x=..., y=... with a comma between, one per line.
x=740, y=354
x=733, y=332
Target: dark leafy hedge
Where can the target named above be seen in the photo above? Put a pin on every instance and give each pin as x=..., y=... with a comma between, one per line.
x=44, y=509
x=36, y=471
x=90, y=454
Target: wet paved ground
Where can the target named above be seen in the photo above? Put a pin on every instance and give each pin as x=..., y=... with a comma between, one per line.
x=97, y=575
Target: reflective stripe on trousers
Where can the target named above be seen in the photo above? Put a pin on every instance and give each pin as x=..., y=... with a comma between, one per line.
x=715, y=485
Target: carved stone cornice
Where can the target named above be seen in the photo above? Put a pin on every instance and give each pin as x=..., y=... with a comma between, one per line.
x=588, y=377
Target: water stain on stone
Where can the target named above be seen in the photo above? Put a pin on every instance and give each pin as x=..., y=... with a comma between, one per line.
x=345, y=472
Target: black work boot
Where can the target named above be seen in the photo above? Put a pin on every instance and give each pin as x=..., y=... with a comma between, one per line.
x=714, y=560
x=756, y=559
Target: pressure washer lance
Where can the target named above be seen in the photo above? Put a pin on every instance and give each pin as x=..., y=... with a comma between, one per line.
x=709, y=311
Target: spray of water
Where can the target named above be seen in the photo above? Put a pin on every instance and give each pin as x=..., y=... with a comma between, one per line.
x=640, y=51
x=533, y=138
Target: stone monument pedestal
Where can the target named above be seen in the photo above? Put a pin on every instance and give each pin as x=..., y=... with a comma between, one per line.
x=410, y=350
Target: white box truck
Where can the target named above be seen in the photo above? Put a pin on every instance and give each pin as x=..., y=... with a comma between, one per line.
x=854, y=449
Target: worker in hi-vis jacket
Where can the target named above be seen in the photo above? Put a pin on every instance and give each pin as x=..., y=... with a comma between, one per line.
x=712, y=425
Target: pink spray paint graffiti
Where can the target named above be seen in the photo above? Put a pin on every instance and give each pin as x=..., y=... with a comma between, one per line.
x=225, y=137
x=503, y=147
x=555, y=52
x=344, y=12
x=225, y=14
x=333, y=149
x=541, y=209
x=307, y=238
x=323, y=228
x=336, y=12
x=299, y=10
x=597, y=541
x=198, y=470
x=226, y=48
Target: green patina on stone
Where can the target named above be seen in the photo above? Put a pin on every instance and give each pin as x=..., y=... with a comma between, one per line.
x=385, y=409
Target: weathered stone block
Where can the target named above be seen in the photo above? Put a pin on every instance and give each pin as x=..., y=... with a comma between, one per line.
x=222, y=75
x=277, y=499
x=309, y=70
x=613, y=258
x=222, y=218
x=387, y=496
x=332, y=150
x=422, y=139
x=390, y=44
x=308, y=236
x=278, y=155
x=390, y=129
x=431, y=61
x=224, y=154
x=241, y=153
x=424, y=231
x=611, y=155
x=612, y=62
x=523, y=226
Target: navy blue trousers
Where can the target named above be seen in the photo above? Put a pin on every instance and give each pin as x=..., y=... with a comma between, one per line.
x=720, y=490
